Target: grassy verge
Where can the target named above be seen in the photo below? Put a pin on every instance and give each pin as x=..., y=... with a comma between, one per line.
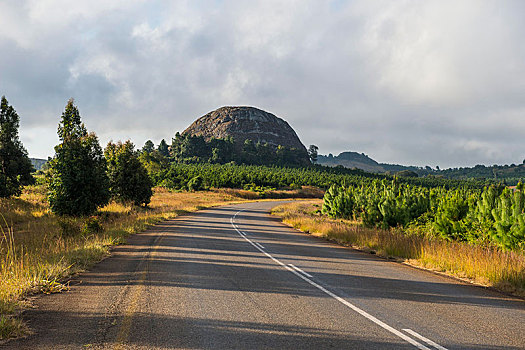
x=304, y=192
x=38, y=250
x=487, y=266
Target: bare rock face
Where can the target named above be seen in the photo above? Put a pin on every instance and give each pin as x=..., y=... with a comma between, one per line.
x=244, y=123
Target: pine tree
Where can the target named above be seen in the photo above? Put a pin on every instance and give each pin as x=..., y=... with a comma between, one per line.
x=129, y=180
x=148, y=147
x=77, y=180
x=15, y=166
x=163, y=148
x=339, y=202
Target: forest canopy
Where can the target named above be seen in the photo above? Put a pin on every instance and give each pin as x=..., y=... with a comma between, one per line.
x=187, y=148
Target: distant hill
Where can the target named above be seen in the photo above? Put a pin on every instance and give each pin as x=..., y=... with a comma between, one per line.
x=242, y=123
x=351, y=160
x=510, y=174
x=38, y=163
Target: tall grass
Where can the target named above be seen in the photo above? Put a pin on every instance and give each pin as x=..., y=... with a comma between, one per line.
x=303, y=192
x=489, y=266
x=38, y=250
x=9, y=325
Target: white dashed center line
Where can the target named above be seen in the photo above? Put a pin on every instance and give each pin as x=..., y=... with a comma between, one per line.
x=307, y=277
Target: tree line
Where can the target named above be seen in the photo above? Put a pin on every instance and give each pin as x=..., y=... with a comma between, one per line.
x=192, y=149
x=208, y=175
x=15, y=166
x=81, y=177
x=188, y=156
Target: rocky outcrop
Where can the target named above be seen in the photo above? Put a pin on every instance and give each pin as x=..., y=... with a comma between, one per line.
x=244, y=123
x=352, y=160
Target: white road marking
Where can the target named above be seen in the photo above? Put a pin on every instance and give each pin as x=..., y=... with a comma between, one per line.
x=336, y=297
x=426, y=340
x=298, y=269
x=259, y=245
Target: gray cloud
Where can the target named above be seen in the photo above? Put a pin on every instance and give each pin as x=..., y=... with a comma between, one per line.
x=436, y=82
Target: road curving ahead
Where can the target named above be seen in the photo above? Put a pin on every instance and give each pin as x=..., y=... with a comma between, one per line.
x=235, y=278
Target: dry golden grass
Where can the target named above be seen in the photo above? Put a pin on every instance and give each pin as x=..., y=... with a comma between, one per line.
x=483, y=265
x=38, y=250
x=304, y=192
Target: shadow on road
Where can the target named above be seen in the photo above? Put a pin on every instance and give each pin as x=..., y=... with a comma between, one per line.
x=203, y=252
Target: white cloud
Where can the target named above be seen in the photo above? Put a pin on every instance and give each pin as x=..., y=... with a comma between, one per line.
x=391, y=79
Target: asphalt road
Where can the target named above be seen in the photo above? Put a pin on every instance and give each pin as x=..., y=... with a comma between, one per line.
x=235, y=278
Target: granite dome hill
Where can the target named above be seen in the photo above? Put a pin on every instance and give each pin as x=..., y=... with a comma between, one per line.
x=243, y=123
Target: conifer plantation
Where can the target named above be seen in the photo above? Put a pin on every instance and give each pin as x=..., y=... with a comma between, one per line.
x=493, y=216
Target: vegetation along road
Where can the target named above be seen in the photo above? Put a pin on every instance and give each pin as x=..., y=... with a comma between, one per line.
x=234, y=277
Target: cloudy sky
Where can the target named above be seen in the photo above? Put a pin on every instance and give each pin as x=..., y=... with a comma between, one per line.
x=409, y=82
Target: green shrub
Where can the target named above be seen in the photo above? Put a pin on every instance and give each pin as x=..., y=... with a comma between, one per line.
x=195, y=184
x=128, y=178
x=77, y=180
x=91, y=225
x=69, y=226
